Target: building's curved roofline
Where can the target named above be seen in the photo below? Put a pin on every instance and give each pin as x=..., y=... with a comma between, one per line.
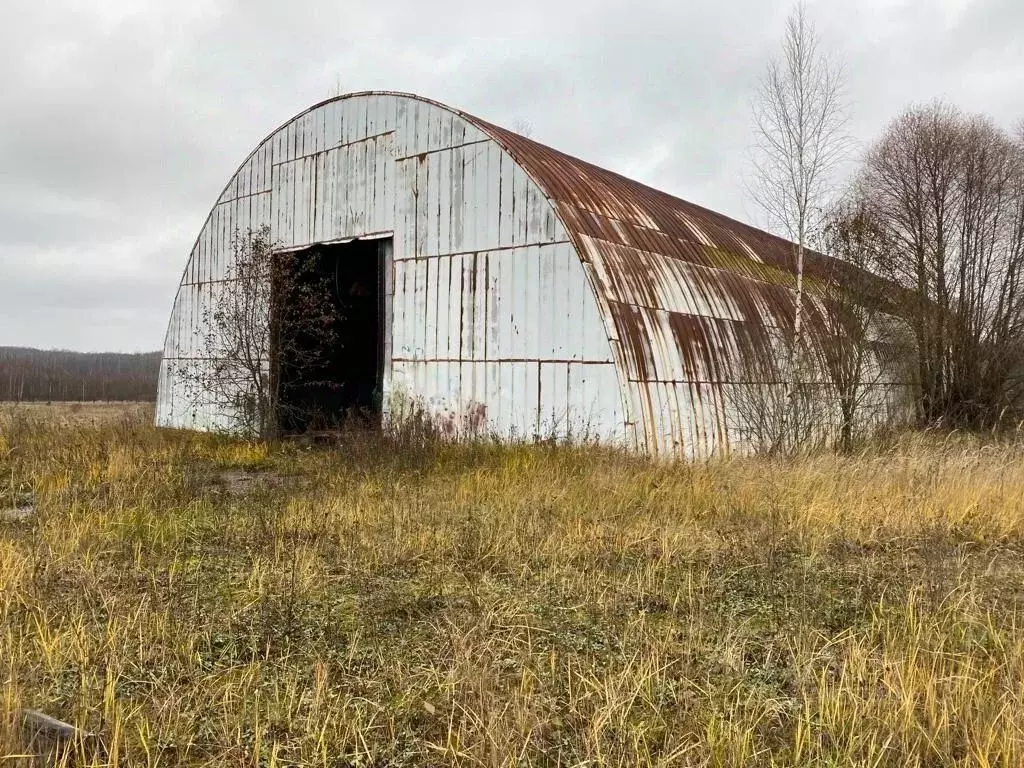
x=552, y=170
x=595, y=202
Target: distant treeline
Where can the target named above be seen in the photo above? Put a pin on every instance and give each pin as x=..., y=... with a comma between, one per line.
x=41, y=375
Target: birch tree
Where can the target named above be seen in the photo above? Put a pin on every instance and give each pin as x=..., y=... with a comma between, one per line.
x=800, y=125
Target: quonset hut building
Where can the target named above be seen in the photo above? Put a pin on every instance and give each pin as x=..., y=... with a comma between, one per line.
x=521, y=292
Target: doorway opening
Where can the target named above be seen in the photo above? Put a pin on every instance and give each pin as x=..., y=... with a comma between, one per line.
x=330, y=369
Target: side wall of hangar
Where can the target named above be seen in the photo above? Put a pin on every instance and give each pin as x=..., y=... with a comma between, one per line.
x=526, y=289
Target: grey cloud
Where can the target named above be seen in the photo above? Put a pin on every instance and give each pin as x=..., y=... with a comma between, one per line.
x=123, y=119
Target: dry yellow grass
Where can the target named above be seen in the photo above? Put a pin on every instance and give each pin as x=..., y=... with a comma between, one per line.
x=393, y=604
x=59, y=413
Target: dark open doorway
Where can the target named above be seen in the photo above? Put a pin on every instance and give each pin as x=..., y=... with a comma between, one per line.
x=331, y=372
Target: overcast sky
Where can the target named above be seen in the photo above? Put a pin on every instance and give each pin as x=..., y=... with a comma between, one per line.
x=123, y=119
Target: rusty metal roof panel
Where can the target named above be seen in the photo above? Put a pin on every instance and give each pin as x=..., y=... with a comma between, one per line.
x=694, y=300
x=642, y=211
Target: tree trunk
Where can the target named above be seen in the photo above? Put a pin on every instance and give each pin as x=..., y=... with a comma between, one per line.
x=789, y=418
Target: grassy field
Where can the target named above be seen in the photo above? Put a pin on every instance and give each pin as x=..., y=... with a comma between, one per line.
x=64, y=414
x=197, y=601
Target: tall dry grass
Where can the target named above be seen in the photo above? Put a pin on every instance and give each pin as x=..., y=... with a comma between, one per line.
x=196, y=601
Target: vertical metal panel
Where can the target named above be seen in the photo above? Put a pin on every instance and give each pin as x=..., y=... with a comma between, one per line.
x=474, y=200
x=279, y=139
x=318, y=232
x=457, y=226
x=523, y=400
x=452, y=305
x=332, y=125
x=373, y=117
x=474, y=302
x=431, y=202
x=469, y=398
x=504, y=397
x=433, y=118
x=424, y=112
x=563, y=289
x=459, y=130
x=595, y=345
x=367, y=150
x=501, y=323
x=228, y=225
x=405, y=210
x=430, y=309
x=213, y=256
x=349, y=120
x=355, y=190
x=242, y=219
x=493, y=297
x=529, y=330
x=548, y=343
x=407, y=129
x=445, y=119
x=534, y=216
x=419, y=308
x=399, y=329
x=489, y=196
x=422, y=191
x=443, y=162
x=383, y=193
x=291, y=141
x=303, y=195
x=318, y=136
x=521, y=185
x=445, y=300
x=401, y=117
x=462, y=347
x=506, y=217
x=554, y=404
x=262, y=206
x=479, y=373
x=275, y=194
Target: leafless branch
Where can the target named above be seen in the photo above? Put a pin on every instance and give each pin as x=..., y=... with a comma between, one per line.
x=800, y=123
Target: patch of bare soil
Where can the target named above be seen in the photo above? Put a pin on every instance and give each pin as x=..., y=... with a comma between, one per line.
x=239, y=482
x=23, y=513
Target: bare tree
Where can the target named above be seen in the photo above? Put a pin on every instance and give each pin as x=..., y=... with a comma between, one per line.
x=800, y=123
x=522, y=127
x=765, y=413
x=948, y=189
x=265, y=301
x=771, y=419
x=865, y=342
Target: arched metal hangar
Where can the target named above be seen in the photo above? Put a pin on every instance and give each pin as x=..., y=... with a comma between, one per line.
x=525, y=293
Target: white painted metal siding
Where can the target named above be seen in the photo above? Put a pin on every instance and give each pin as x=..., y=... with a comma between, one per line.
x=494, y=326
